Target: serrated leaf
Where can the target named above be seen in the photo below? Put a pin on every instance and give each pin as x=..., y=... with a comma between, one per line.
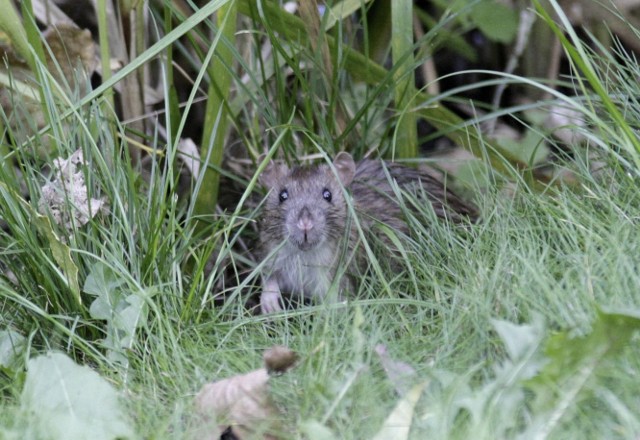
x=102, y=280
x=494, y=408
x=518, y=339
x=130, y=317
x=104, y=307
x=496, y=21
x=567, y=355
x=572, y=363
x=64, y=400
x=123, y=311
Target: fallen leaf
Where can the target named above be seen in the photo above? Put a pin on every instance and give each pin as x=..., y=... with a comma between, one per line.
x=189, y=154
x=279, y=359
x=71, y=47
x=243, y=402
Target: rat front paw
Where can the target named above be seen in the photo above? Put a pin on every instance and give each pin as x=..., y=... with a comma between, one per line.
x=270, y=302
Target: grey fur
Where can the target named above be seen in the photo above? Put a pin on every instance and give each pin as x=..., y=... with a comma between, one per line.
x=303, y=236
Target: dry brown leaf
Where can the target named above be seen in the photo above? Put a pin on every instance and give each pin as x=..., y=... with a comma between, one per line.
x=279, y=359
x=242, y=402
x=71, y=47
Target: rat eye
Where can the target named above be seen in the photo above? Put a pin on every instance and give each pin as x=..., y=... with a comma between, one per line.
x=284, y=195
x=326, y=194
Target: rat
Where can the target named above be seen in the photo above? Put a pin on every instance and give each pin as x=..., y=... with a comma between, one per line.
x=306, y=233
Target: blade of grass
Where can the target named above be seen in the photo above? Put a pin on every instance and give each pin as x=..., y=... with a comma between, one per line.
x=105, y=53
x=316, y=31
x=403, y=75
x=216, y=122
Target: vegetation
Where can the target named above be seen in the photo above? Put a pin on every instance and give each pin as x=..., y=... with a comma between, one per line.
x=128, y=254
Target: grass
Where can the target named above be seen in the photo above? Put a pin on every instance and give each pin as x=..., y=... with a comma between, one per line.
x=150, y=320
x=536, y=255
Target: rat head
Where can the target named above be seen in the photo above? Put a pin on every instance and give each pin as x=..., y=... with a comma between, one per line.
x=306, y=205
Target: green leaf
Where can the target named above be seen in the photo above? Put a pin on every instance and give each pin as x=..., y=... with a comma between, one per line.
x=124, y=311
x=518, y=339
x=495, y=20
x=531, y=149
x=61, y=253
x=572, y=363
x=63, y=400
x=101, y=280
x=133, y=315
x=314, y=430
x=216, y=122
x=12, y=345
x=104, y=307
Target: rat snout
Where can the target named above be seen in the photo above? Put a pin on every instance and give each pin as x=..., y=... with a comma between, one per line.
x=305, y=228
x=305, y=221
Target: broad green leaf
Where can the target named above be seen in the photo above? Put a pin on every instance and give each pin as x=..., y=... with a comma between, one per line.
x=314, y=430
x=105, y=306
x=102, y=280
x=12, y=344
x=572, y=362
x=495, y=20
x=123, y=311
x=531, y=149
x=568, y=355
x=132, y=316
x=63, y=400
x=518, y=339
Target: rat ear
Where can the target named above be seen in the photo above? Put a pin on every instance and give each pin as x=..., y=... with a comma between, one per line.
x=270, y=175
x=345, y=166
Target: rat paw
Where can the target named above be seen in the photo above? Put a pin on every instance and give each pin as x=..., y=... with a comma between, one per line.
x=270, y=302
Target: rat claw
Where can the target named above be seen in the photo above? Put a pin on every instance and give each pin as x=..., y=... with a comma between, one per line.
x=270, y=302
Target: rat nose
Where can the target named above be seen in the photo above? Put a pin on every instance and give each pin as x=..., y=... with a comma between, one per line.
x=305, y=221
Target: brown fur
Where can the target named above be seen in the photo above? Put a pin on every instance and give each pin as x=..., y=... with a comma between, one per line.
x=303, y=236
